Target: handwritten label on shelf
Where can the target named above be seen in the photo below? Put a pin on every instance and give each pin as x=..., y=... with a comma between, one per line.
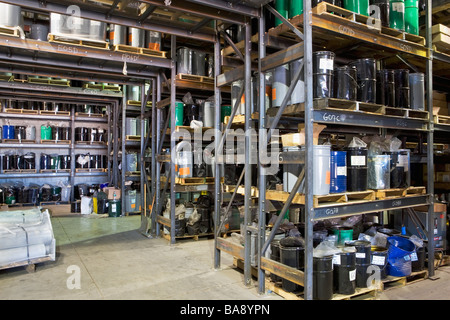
x=130, y=57
x=331, y=117
x=401, y=123
x=346, y=30
x=406, y=47
x=69, y=49
x=331, y=211
x=396, y=203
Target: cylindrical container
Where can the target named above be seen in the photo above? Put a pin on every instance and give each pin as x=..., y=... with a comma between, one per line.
x=114, y=208
x=55, y=162
x=65, y=161
x=46, y=161
x=136, y=37
x=224, y=112
x=65, y=133
x=30, y=133
x=412, y=16
x=46, y=132
x=8, y=132
x=95, y=161
x=208, y=114
x=298, y=95
x=199, y=63
x=418, y=259
x=382, y=12
x=56, y=133
x=275, y=255
x=386, y=87
x=323, y=66
x=133, y=93
x=29, y=160
x=363, y=255
x=184, y=60
x=321, y=171
x=344, y=272
x=402, y=92
x=154, y=40
x=39, y=31
x=20, y=132
x=366, y=78
x=179, y=114
x=10, y=15
x=117, y=34
x=323, y=278
x=344, y=234
x=132, y=161
x=235, y=90
x=82, y=161
x=97, y=30
x=356, y=169
x=184, y=160
x=358, y=6
x=399, y=256
x=379, y=259
x=292, y=255
x=295, y=8
x=338, y=171
x=417, y=92
x=378, y=170
x=345, y=83
x=282, y=6
x=191, y=112
x=400, y=175
x=81, y=134
x=130, y=126
x=397, y=14
x=280, y=85
x=291, y=171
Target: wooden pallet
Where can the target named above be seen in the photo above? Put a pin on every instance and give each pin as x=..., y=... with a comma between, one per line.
x=6, y=78
x=90, y=115
x=54, y=170
x=348, y=105
x=442, y=119
x=21, y=111
x=186, y=236
x=194, y=181
x=30, y=265
x=137, y=50
x=55, y=141
x=10, y=31
x=54, y=113
x=101, y=86
x=133, y=138
x=101, y=143
x=399, y=192
x=240, y=118
x=52, y=82
x=407, y=113
x=18, y=141
x=394, y=282
x=136, y=103
x=20, y=171
x=80, y=170
x=196, y=78
x=67, y=40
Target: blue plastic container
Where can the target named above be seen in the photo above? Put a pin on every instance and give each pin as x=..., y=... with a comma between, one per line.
x=8, y=132
x=399, y=256
x=338, y=172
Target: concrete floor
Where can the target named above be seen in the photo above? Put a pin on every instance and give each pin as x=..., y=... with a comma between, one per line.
x=116, y=262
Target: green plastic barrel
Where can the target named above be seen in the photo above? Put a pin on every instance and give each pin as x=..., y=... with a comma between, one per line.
x=295, y=8
x=344, y=234
x=397, y=14
x=179, y=113
x=46, y=133
x=412, y=16
x=224, y=112
x=282, y=6
x=357, y=6
x=114, y=208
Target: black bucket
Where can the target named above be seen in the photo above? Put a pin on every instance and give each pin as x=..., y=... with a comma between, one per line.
x=20, y=132
x=367, y=79
x=46, y=161
x=367, y=91
x=383, y=11
x=81, y=190
x=275, y=255
x=105, y=162
x=81, y=134
x=65, y=162
x=398, y=176
x=356, y=169
x=363, y=255
x=95, y=162
x=379, y=259
x=323, y=66
x=345, y=83
x=345, y=273
x=401, y=78
x=386, y=87
x=29, y=160
x=323, y=278
x=82, y=161
x=418, y=259
x=191, y=112
x=292, y=254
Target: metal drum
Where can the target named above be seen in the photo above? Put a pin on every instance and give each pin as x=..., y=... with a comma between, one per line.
x=136, y=37
x=82, y=161
x=20, y=132
x=345, y=84
x=323, y=66
x=10, y=15
x=386, y=87
x=95, y=162
x=81, y=134
x=39, y=31
x=65, y=161
x=117, y=34
x=199, y=63
x=367, y=79
x=154, y=40
x=45, y=163
x=29, y=160
x=184, y=60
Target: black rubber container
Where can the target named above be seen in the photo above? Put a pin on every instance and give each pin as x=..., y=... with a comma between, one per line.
x=379, y=259
x=345, y=83
x=356, y=169
x=46, y=161
x=383, y=11
x=191, y=112
x=323, y=278
x=418, y=261
x=367, y=79
x=292, y=254
x=386, y=87
x=363, y=256
x=345, y=273
x=20, y=132
x=275, y=255
x=401, y=78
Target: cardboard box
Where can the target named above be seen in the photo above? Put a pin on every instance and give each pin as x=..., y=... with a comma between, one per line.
x=298, y=139
x=110, y=192
x=438, y=207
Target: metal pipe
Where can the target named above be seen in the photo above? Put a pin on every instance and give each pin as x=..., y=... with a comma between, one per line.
x=173, y=46
x=155, y=208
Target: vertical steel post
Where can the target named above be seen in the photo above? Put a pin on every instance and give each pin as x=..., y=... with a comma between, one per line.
x=124, y=158
x=430, y=138
x=143, y=176
x=155, y=211
x=217, y=134
x=309, y=162
x=173, y=47
x=153, y=155
x=248, y=155
x=261, y=144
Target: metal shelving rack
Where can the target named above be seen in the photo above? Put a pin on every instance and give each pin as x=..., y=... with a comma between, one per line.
x=311, y=23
